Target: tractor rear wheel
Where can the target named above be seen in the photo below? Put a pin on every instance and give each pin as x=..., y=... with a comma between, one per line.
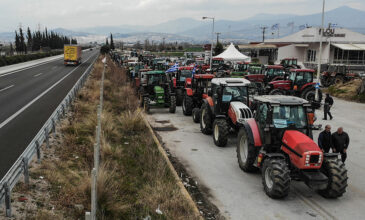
x=196, y=115
x=336, y=172
x=221, y=130
x=172, y=108
x=276, y=178
x=246, y=152
x=276, y=92
x=146, y=104
x=179, y=96
x=187, y=105
x=205, y=120
x=339, y=80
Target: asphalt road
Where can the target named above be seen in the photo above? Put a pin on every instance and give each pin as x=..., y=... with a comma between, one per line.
x=240, y=195
x=28, y=98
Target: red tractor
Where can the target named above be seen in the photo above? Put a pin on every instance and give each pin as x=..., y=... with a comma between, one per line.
x=224, y=108
x=278, y=140
x=177, y=81
x=337, y=74
x=271, y=73
x=299, y=83
x=196, y=89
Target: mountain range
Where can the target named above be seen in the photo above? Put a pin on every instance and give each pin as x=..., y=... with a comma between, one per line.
x=192, y=30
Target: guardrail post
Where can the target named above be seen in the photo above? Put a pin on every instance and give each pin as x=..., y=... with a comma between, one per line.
x=93, y=194
x=38, y=148
x=46, y=133
x=26, y=171
x=7, y=200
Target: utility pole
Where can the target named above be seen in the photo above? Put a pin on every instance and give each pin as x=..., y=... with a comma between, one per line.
x=320, y=53
x=218, y=36
x=263, y=33
x=163, y=43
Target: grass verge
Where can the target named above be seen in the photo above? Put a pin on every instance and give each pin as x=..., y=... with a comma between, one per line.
x=347, y=91
x=134, y=178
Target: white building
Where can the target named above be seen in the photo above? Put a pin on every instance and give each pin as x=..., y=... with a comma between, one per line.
x=340, y=46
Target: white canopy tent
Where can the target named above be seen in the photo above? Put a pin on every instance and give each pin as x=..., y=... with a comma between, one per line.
x=232, y=54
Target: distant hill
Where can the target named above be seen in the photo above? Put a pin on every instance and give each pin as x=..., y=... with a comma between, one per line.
x=191, y=30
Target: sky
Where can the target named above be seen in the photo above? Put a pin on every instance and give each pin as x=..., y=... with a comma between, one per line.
x=78, y=14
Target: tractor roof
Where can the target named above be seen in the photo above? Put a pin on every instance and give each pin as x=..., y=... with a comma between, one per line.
x=281, y=100
x=275, y=67
x=186, y=68
x=203, y=76
x=155, y=72
x=302, y=70
x=231, y=81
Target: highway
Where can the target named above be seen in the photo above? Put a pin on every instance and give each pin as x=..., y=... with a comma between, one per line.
x=28, y=97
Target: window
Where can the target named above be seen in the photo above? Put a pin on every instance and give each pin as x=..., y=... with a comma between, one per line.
x=284, y=116
x=234, y=93
x=263, y=114
x=311, y=55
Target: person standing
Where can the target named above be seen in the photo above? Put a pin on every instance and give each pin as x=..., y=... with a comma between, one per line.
x=325, y=139
x=328, y=102
x=341, y=141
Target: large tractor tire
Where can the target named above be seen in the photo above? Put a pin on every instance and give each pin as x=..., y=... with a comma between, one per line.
x=276, y=178
x=310, y=93
x=336, y=172
x=146, y=104
x=246, y=152
x=220, y=132
x=276, y=92
x=196, y=115
x=339, y=80
x=172, y=108
x=179, y=97
x=205, y=119
x=187, y=105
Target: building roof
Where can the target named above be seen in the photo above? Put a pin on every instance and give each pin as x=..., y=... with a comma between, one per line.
x=257, y=46
x=312, y=35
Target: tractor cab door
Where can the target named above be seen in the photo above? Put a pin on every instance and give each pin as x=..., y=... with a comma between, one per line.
x=261, y=118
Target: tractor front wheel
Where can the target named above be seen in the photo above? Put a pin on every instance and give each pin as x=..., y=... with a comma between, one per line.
x=196, y=115
x=276, y=178
x=172, y=108
x=146, y=104
x=246, y=152
x=309, y=94
x=221, y=130
x=187, y=105
x=205, y=119
x=336, y=172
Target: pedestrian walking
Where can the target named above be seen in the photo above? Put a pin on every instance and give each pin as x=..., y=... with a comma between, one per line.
x=325, y=139
x=328, y=102
x=341, y=141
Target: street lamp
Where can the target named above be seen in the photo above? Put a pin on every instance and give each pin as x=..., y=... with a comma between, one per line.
x=320, y=54
x=211, y=46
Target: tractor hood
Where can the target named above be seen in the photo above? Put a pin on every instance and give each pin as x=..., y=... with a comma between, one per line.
x=238, y=111
x=302, y=150
x=255, y=77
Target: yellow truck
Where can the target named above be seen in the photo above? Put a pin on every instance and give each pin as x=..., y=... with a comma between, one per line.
x=72, y=54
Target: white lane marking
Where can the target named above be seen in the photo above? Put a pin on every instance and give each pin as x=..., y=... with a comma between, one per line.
x=41, y=95
x=38, y=74
x=6, y=88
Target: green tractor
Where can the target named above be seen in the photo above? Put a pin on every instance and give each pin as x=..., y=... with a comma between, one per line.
x=156, y=92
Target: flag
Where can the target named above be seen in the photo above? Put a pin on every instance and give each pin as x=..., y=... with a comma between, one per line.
x=301, y=27
x=275, y=26
x=174, y=68
x=333, y=25
x=194, y=71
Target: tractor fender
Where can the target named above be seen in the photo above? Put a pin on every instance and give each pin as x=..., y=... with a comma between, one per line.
x=189, y=91
x=253, y=133
x=273, y=155
x=308, y=85
x=174, y=82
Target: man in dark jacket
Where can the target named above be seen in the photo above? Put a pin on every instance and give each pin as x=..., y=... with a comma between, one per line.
x=341, y=141
x=325, y=139
x=328, y=102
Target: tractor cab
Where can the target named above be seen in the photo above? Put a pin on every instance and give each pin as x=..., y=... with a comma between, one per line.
x=240, y=69
x=254, y=68
x=227, y=90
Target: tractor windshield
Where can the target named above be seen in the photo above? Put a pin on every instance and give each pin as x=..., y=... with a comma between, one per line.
x=275, y=72
x=235, y=93
x=155, y=79
x=285, y=116
x=185, y=74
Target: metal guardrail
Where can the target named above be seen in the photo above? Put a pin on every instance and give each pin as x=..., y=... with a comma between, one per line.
x=21, y=165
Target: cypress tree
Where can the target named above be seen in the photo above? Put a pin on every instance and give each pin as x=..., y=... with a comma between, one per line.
x=111, y=42
x=17, y=42
x=29, y=39
x=23, y=47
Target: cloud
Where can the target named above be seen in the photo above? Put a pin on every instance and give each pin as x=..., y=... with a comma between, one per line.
x=88, y=13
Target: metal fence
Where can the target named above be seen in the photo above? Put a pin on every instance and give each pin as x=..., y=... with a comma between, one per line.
x=21, y=165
